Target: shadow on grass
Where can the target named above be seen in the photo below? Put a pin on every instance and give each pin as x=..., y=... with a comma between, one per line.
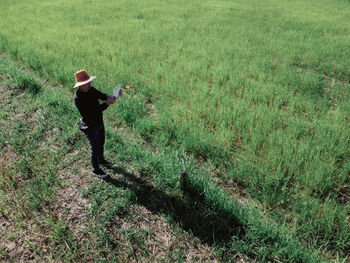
x=192, y=211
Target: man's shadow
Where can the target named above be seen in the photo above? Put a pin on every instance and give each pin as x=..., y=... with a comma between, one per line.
x=194, y=213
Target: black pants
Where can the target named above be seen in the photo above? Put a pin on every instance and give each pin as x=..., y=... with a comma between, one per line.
x=96, y=137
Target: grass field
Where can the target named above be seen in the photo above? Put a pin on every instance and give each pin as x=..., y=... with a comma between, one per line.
x=251, y=97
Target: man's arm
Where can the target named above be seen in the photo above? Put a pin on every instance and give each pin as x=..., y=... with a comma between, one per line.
x=100, y=95
x=103, y=106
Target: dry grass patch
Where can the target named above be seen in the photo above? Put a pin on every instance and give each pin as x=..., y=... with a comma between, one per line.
x=146, y=237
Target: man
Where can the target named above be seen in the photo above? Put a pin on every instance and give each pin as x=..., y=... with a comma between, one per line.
x=87, y=101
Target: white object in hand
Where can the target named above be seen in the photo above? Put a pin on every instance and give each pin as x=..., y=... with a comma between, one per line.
x=116, y=91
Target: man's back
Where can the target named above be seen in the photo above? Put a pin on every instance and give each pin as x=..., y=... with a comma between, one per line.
x=89, y=107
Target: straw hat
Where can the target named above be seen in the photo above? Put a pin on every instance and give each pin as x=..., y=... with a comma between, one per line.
x=81, y=78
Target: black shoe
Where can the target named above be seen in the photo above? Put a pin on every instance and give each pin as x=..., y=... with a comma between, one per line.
x=106, y=163
x=99, y=174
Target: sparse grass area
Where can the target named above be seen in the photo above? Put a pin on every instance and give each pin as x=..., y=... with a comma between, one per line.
x=249, y=93
x=28, y=175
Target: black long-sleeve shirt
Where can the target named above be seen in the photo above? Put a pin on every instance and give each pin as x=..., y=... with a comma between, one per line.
x=89, y=107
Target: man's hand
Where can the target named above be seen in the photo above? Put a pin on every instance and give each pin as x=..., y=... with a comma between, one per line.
x=110, y=100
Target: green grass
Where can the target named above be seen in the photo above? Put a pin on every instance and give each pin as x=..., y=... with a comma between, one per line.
x=257, y=92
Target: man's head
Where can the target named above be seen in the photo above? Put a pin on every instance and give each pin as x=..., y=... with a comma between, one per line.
x=82, y=80
x=85, y=87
